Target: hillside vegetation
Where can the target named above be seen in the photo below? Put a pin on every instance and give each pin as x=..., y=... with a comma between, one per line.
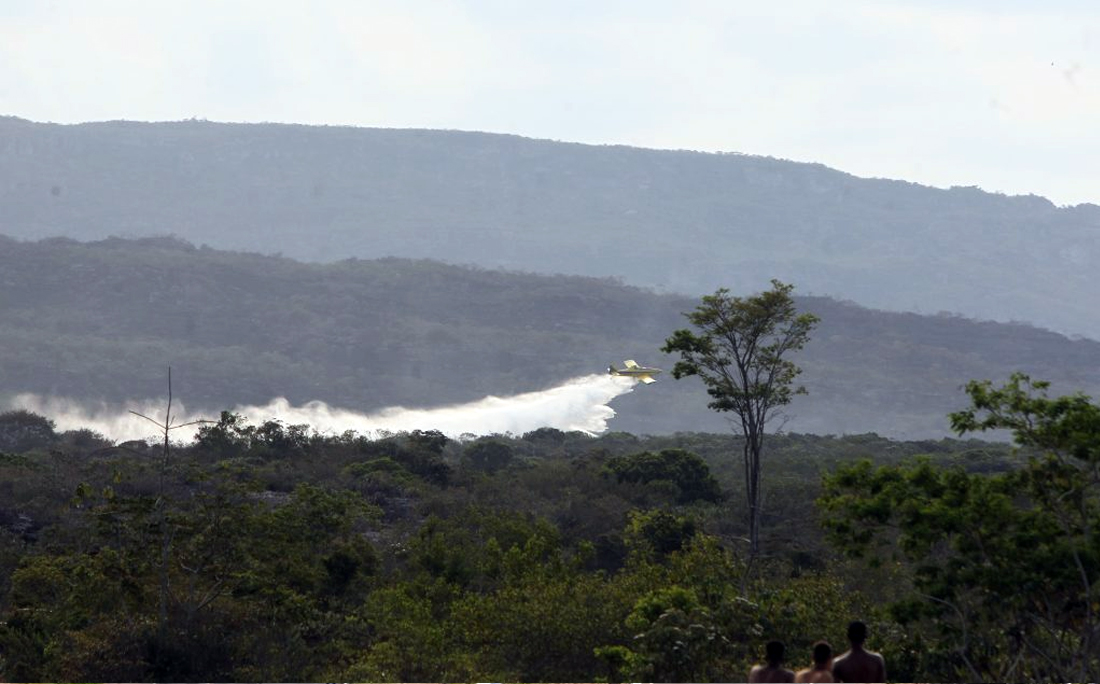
x=103, y=320
x=675, y=220
x=268, y=552
x=547, y=557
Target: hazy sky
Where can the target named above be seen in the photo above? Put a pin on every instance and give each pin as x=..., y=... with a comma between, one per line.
x=1000, y=94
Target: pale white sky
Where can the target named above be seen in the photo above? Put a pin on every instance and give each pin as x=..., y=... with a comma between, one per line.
x=1003, y=94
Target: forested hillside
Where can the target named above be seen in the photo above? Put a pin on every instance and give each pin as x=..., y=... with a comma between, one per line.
x=268, y=552
x=103, y=320
x=679, y=221
x=299, y=557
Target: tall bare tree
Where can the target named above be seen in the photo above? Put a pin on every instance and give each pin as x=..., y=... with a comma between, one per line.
x=740, y=349
x=166, y=427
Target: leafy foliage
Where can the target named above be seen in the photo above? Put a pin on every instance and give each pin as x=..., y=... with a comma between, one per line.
x=23, y=431
x=1003, y=566
x=741, y=351
x=299, y=556
x=685, y=473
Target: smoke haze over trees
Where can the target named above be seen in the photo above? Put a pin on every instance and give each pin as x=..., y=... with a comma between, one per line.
x=100, y=321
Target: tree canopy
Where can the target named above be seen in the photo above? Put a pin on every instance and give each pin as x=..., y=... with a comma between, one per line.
x=741, y=349
x=1002, y=569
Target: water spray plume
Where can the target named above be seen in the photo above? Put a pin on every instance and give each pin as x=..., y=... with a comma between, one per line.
x=577, y=404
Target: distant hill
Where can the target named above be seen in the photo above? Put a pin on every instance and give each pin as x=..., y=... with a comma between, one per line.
x=101, y=320
x=678, y=221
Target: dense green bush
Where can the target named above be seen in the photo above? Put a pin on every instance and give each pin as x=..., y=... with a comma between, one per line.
x=685, y=473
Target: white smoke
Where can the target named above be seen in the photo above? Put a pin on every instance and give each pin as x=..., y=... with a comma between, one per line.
x=577, y=404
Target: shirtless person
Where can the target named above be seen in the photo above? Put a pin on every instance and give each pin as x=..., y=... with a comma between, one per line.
x=859, y=665
x=822, y=671
x=774, y=670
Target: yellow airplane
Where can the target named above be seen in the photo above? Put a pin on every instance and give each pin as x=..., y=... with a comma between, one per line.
x=633, y=370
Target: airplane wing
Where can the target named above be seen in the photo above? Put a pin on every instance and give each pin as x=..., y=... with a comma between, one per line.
x=647, y=379
x=630, y=363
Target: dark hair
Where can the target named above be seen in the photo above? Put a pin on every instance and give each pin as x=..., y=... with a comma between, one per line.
x=822, y=652
x=857, y=632
x=774, y=652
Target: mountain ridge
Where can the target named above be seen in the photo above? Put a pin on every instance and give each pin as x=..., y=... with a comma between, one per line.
x=677, y=221
x=1031, y=197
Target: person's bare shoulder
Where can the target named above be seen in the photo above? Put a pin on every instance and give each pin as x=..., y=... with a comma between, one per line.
x=866, y=666
x=881, y=665
x=841, y=667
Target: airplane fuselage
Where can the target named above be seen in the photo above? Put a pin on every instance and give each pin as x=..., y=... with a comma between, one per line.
x=633, y=370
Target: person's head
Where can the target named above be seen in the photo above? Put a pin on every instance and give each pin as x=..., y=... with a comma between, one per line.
x=822, y=652
x=773, y=652
x=857, y=632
